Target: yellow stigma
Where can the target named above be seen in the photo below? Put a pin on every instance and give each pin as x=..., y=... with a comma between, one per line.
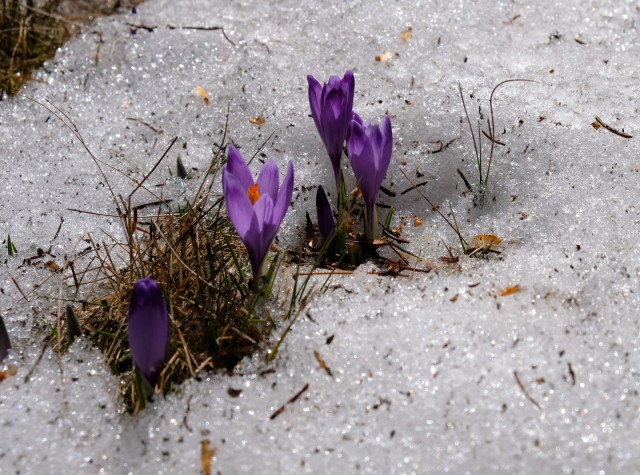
x=253, y=194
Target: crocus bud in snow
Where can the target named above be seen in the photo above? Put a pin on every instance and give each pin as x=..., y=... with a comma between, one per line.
x=331, y=108
x=5, y=344
x=148, y=328
x=326, y=223
x=370, y=148
x=256, y=209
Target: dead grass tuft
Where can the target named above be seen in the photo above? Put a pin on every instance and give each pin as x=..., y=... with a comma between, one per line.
x=32, y=31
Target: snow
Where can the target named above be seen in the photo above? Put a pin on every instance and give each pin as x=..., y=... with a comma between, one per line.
x=431, y=373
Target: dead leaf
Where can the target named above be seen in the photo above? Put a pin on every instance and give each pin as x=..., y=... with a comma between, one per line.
x=510, y=290
x=417, y=221
x=407, y=34
x=595, y=125
x=396, y=231
x=386, y=56
x=10, y=371
x=52, y=266
x=199, y=90
x=233, y=392
x=322, y=364
x=482, y=240
x=257, y=120
x=483, y=243
x=205, y=457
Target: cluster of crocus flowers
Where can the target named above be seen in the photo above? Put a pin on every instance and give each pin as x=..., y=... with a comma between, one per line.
x=148, y=328
x=331, y=108
x=256, y=208
x=369, y=146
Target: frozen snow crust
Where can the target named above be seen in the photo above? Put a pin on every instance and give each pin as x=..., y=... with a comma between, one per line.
x=434, y=373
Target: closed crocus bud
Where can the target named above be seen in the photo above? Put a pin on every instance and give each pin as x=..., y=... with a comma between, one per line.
x=5, y=344
x=370, y=147
x=326, y=223
x=331, y=108
x=148, y=328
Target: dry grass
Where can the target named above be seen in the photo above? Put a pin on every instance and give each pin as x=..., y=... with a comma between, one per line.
x=31, y=31
x=193, y=253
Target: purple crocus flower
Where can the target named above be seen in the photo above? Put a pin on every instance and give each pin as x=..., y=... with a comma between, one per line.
x=148, y=328
x=256, y=209
x=5, y=343
x=369, y=148
x=326, y=223
x=331, y=108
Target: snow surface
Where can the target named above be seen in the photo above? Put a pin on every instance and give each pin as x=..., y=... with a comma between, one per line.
x=430, y=372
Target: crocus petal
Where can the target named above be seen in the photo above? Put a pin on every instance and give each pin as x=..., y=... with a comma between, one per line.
x=148, y=328
x=386, y=149
x=349, y=87
x=5, y=343
x=315, y=93
x=281, y=205
x=258, y=239
x=239, y=206
x=354, y=118
x=326, y=222
x=362, y=157
x=237, y=167
x=333, y=135
x=268, y=179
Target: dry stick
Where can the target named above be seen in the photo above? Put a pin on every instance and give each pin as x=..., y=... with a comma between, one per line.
x=38, y=359
x=66, y=120
x=492, y=122
x=204, y=28
x=464, y=179
x=463, y=242
x=280, y=410
x=612, y=130
x=60, y=311
x=53, y=16
x=152, y=170
x=157, y=131
x=473, y=136
x=525, y=392
x=212, y=164
x=497, y=142
x=15, y=282
x=94, y=213
x=175, y=254
x=260, y=148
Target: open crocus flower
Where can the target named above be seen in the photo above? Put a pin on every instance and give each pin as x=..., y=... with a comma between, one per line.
x=369, y=148
x=256, y=209
x=5, y=343
x=331, y=108
x=148, y=328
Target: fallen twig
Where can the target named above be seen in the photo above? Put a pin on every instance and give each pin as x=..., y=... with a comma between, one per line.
x=612, y=130
x=525, y=392
x=280, y=410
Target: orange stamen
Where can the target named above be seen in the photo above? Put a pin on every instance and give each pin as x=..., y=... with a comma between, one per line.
x=253, y=193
